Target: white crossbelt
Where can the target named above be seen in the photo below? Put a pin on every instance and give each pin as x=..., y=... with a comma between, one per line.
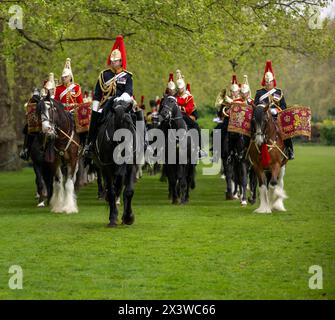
x=264, y=96
x=70, y=87
x=117, y=76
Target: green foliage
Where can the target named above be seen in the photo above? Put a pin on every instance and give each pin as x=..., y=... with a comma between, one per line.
x=327, y=131
x=207, y=249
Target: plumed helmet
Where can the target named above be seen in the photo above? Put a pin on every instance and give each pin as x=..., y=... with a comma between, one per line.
x=268, y=74
x=67, y=71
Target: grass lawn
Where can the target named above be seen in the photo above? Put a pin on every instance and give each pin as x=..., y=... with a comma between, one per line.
x=208, y=249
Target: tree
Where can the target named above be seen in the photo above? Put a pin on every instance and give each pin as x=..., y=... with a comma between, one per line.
x=206, y=39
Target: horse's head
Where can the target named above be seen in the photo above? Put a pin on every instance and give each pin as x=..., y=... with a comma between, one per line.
x=259, y=121
x=121, y=114
x=47, y=112
x=168, y=110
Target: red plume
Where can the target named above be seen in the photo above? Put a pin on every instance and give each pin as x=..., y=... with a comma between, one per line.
x=188, y=88
x=170, y=77
x=265, y=156
x=158, y=102
x=268, y=67
x=119, y=44
x=234, y=79
x=142, y=100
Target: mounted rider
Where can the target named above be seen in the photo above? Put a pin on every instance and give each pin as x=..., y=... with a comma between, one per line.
x=273, y=96
x=188, y=108
x=68, y=92
x=48, y=89
x=114, y=84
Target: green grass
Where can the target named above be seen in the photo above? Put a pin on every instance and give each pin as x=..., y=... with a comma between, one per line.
x=208, y=249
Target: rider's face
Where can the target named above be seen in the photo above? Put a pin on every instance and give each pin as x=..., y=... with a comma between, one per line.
x=116, y=64
x=181, y=90
x=245, y=96
x=66, y=79
x=235, y=94
x=269, y=85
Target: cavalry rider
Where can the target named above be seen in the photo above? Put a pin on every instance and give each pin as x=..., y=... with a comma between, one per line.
x=235, y=91
x=246, y=92
x=48, y=88
x=114, y=84
x=68, y=92
x=186, y=104
x=273, y=96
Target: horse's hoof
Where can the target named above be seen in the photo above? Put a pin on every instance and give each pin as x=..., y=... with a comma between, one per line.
x=128, y=220
x=229, y=196
x=112, y=224
x=252, y=201
x=244, y=203
x=261, y=210
x=41, y=205
x=175, y=201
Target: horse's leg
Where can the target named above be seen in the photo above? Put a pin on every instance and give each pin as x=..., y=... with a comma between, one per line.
x=39, y=185
x=100, y=185
x=111, y=197
x=277, y=193
x=128, y=192
x=56, y=201
x=70, y=199
x=264, y=206
x=253, y=185
x=118, y=184
x=172, y=178
x=229, y=178
x=243, y=182
x=183, y=183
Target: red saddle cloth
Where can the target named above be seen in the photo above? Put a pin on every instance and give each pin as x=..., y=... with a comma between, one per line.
x=82, y=116
x=295, y=121
x=240, y=118
x=33, y=120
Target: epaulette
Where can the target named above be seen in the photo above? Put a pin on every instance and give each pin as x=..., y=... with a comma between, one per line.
x=127, y=72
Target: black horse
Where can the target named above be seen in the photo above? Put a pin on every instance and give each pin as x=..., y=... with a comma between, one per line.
x=181, y=176
x=237, y=168
x=117, y=175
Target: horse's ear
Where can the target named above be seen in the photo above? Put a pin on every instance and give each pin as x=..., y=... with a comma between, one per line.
x=266, y=108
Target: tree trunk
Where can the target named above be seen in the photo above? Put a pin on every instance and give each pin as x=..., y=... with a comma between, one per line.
x=9, y=159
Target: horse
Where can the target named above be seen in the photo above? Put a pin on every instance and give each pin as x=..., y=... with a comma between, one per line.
x=117, y=176
x=181, y=177
x=63, y=153
x=236, y=167
x=239, y=168
x=266, y=153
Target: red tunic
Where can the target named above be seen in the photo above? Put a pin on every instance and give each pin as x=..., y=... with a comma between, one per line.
x=186, y=103
x=69, y=95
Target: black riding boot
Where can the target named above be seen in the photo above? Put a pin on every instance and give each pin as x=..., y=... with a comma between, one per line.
x=289, y=149
x=92, y=134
